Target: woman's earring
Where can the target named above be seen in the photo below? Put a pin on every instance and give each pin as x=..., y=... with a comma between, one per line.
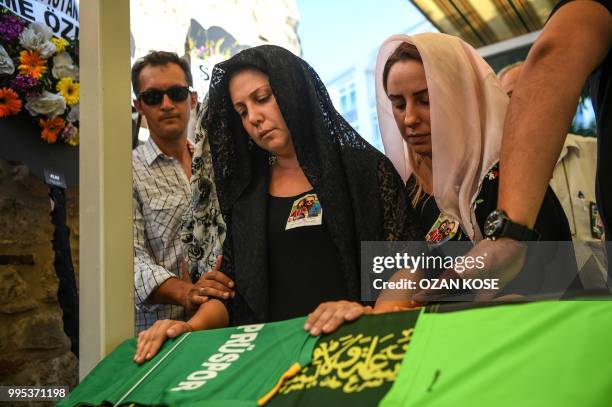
x=271, y=159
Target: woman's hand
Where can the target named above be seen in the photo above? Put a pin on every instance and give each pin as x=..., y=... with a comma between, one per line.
x=150, y=340
x=330, y=315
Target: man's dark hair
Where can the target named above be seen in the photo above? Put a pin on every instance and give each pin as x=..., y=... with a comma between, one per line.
x=159, y=58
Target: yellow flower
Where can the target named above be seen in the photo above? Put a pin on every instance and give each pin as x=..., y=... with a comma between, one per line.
x=32, y=64
x=69, y=89
x=60, y=44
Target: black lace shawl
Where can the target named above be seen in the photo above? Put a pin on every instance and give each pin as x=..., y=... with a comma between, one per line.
x=363, y=197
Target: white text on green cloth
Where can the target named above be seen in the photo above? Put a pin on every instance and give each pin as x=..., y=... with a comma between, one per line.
x=228, y=353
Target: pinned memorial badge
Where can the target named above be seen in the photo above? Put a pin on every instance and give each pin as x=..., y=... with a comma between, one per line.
x=443, y=230
x=305, y=211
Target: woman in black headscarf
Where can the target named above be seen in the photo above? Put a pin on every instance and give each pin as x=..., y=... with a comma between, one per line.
x=298, y=190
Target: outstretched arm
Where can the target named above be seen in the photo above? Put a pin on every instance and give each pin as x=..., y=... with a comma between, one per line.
x=573, y=43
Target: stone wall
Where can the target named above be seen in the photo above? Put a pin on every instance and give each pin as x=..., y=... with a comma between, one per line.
x=33, y=347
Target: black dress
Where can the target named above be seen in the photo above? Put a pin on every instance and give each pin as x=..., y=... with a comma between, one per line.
x=303, y=262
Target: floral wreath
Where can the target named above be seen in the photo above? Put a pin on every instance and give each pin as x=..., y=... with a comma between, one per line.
x=39, y=73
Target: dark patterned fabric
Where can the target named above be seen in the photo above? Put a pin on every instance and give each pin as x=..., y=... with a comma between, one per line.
x=364, y=198
x=203, y=230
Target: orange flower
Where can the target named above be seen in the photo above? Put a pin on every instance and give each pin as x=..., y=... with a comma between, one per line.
x=51, y=128
x=10, y=104
x=32, y=64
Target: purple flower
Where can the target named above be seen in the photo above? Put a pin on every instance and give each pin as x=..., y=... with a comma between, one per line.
x=11, y=27
x=23, y=83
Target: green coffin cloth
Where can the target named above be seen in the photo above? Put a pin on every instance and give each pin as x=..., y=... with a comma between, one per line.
x=220, y=367
x=354, y=366
x=537, y=354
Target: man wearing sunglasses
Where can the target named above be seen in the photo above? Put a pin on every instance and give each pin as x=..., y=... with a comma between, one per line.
x=161, y=170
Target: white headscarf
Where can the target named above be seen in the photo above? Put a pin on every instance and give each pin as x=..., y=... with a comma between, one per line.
x=467, y=111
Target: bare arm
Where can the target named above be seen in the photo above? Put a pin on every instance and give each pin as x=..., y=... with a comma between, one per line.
x=210, y=315
x=573, y=43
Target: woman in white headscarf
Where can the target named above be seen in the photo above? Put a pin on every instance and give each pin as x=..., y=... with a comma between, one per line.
x=441, y=112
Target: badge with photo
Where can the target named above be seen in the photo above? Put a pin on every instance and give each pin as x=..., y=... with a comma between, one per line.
x=305, y=211
x=443, y=230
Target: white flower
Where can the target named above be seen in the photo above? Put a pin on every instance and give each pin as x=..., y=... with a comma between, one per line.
x=73, y=116
x=48, y=104
x=63, y=66
x=36, y=38
x=6, y=63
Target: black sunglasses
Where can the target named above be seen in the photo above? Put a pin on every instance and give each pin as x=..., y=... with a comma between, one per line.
x=154, y=97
